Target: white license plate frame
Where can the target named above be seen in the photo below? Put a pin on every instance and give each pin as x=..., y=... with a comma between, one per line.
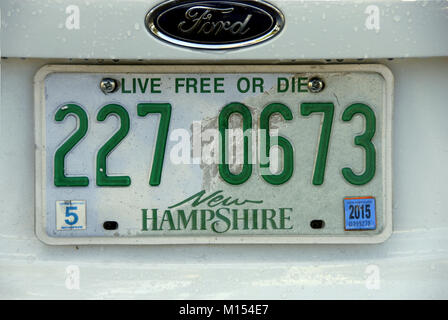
x=384, y=155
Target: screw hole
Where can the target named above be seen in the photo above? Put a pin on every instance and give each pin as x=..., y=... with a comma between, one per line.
x=110, y=225
x=317, y=224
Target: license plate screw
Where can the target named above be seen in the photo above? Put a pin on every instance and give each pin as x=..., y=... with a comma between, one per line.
x=108, y=85
x=316, y=85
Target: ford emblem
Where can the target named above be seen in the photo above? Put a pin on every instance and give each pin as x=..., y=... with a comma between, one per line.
x=214, y=24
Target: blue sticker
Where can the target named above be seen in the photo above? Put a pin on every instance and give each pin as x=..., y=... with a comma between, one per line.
x=360, y=213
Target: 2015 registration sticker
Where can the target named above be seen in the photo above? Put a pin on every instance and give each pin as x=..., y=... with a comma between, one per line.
x=360, y=213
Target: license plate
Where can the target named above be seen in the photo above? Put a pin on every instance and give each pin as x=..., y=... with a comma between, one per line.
x=213, y=154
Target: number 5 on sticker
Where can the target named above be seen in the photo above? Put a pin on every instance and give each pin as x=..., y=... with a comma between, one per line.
x=71, y=215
